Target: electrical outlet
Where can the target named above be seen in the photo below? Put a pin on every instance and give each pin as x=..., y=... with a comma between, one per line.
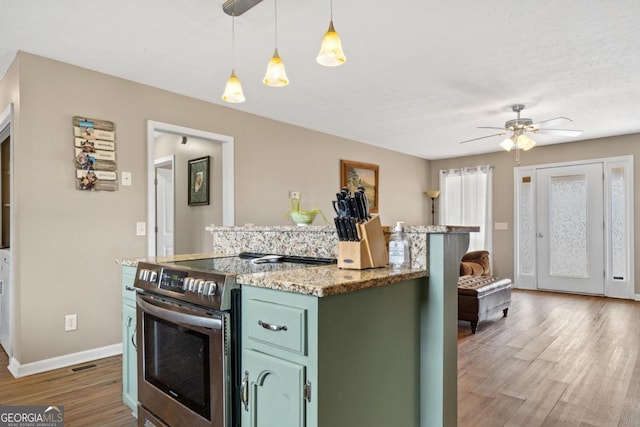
x=70, y=322
x=295, y=195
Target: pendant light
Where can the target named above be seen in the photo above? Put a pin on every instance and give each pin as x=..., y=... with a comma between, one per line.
x=276, y=75
x=233, y=89
x=331, y=54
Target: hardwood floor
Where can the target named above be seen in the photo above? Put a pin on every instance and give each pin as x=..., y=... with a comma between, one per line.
x=557, y=360
x=91, y=397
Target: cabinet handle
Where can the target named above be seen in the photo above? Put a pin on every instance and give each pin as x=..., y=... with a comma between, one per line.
x=244, y=391
x=307, y=391
x=129, y=288
x=133, y=335
x=271, y=327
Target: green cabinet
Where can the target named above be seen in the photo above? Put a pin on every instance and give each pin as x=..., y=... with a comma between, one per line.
x=351, y=359
x=129, y=350
x=275, y=387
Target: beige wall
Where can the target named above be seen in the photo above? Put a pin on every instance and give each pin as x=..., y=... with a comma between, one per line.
x=503, y=193
x=66, y=241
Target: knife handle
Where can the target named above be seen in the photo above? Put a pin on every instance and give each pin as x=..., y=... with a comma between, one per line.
x=354, y=229
x=342, y=234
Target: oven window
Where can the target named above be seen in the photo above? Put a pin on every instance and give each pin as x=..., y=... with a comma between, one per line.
x=176, y=361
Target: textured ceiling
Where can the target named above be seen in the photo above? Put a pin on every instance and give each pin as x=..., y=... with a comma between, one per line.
x=420, y=75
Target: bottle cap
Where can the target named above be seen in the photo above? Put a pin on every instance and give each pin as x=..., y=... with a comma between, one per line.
x=398, y=226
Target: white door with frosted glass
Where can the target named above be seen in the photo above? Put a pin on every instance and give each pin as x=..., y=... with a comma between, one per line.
x=570, y=235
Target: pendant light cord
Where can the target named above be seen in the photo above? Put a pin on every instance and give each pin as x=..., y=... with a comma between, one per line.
x=275, y=11
x=331, y=10
x=233, y=41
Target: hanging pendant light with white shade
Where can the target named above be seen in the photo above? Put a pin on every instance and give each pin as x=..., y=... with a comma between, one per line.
x=331, y=53
x=233, y=89
x=276, y=75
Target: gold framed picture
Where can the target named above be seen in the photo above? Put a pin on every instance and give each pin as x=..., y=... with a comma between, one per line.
x=356, y=174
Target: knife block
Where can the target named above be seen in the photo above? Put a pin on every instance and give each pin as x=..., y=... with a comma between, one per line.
x=369, y=252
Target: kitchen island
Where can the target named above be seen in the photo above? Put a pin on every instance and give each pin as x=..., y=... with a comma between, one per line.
x=323, y=346
x=381, y=345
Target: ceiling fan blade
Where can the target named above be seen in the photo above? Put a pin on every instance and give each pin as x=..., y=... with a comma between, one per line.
x=560, y=132
x=551, y=122
x=491, y=127
x=483, y=137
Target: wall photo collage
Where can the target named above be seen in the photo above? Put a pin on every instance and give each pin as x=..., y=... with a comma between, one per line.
x=95, y=154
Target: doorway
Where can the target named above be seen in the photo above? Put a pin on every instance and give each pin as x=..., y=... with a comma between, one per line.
x=226, y=199
x=570, y=228
x=573, y=227
x=7, y=212
x=165, y=206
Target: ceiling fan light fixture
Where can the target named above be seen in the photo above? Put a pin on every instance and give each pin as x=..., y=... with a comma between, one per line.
x=525, y=143
x=507, y=144
x=331, y=53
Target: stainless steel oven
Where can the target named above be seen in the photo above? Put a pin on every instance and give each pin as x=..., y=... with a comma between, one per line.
x=188, y=337
x=184, y=364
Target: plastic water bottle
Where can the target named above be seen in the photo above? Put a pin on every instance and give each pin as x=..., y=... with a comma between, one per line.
x=398, y=248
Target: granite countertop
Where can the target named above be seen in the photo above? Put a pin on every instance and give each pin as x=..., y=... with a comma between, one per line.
x=133, y=262
x=328, y=280
x=319, y=281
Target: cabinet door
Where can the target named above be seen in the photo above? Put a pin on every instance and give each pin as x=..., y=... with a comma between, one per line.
x=275, y=391
x=129, y=358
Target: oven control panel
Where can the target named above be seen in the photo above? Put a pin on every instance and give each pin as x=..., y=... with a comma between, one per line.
x=177, y=281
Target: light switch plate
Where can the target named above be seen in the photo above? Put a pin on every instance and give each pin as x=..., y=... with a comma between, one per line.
x=126, y=178
x=141, y=228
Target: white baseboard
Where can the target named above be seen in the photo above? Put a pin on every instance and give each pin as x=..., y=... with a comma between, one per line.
x=637, y=298
x=22, y=370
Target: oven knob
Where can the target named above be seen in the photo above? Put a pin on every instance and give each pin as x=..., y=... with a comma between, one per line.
x=200, y=286
x=187, y=282
x=143, y=274
x=153, y=276
x=193, y=286
x=211, y=288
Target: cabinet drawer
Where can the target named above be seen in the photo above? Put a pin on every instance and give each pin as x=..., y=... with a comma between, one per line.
x=277, y=325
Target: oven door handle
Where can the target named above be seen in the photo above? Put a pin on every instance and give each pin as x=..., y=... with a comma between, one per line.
x=177, y=317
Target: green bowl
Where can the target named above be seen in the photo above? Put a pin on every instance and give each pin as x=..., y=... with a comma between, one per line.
x=303, y=218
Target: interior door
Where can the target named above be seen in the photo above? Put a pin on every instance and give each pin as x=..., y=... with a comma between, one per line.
x=570, y=228
x=164, y=211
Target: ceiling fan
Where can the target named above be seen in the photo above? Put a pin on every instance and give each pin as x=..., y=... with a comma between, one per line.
x=518, y=128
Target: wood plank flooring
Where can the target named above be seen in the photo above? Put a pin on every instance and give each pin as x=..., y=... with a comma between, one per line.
x=557, y=360
x=91, y=397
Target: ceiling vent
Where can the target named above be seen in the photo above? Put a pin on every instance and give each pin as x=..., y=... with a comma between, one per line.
x=238, y=7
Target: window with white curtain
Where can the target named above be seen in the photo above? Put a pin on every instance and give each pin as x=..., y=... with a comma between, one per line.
x=466, y=200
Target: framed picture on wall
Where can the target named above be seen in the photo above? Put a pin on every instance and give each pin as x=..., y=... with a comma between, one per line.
x=199, y=181
x=355, y=174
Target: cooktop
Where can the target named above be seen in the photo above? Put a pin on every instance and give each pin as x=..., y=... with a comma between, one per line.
x=249, y=262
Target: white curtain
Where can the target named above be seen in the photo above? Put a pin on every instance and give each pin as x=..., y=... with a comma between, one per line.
x=466, y=199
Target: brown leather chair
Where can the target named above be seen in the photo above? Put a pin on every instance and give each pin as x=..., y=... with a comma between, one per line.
x=475, y=263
